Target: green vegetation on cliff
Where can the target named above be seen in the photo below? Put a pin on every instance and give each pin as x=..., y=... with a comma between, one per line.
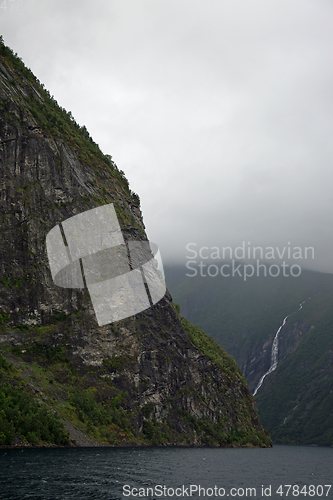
x=21, y=414
x=208, y=346
x=87, y=397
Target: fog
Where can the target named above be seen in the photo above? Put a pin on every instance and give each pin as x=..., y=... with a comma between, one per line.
x=219, y=112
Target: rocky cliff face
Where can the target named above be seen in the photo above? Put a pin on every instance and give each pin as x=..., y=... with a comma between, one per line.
x=139, y=380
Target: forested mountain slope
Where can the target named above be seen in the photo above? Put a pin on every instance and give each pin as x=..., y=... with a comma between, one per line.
x=295, y=401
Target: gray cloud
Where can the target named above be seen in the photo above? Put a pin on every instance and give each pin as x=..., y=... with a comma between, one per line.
x=220, y=113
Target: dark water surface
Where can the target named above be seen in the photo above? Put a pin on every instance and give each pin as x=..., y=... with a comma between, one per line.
x=102, y=473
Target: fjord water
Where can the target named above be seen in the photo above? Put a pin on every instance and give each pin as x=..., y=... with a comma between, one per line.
x=102, y=473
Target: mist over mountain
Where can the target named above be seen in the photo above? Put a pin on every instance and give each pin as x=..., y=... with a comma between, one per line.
x=224, y=128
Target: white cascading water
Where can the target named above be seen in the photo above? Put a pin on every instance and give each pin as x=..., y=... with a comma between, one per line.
x=275, y=353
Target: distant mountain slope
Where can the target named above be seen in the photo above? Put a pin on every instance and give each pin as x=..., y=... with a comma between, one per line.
x=296, y=401
x=243, y=317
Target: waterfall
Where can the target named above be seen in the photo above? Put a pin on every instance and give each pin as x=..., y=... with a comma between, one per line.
x=275, y=352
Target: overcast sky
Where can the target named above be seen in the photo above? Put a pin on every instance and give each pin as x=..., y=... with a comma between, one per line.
x=218, y=111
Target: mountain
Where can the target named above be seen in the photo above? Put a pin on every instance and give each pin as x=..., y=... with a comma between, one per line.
x=295, y=401
x=151, y=378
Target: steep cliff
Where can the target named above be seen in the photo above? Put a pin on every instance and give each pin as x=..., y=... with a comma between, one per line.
x=140, y=380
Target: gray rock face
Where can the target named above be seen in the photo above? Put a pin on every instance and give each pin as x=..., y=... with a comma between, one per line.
x=50, y=171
